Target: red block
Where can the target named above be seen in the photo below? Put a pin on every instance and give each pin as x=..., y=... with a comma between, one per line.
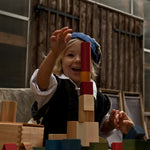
x=86, y=88
x=117, y=146
x=10, y=146
x=85, y=56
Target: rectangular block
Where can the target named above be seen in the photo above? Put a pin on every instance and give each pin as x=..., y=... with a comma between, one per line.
x=85, y=56
x=136, y=145
x=71, y=144
x=87, y=132
x=117, y=146
x=8, y=111
x=53, y=145
x=10, y=146
x=85, y=76
x=86, y=108
x=57, y=136
x=86, y=88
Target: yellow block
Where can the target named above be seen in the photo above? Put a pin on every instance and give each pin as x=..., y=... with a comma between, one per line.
x=85, y=76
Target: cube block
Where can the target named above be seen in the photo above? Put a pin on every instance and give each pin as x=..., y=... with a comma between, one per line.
x=87, y=132
x=86, y=88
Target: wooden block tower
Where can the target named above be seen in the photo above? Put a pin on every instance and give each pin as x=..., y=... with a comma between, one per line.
x=85, y=128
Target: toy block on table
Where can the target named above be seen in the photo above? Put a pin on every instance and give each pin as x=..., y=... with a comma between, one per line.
x=87, y=132
x=10, y=146
x=102, y=145
x=136, y=145
x=25, y=146
x=85, y=56
x=117, y=146
x=86, y=108
x=57, y=136
x=53, y=145
x=19, y=133
x=71, y=144
x=85, y=76
x=8, y=111
x=86, y=88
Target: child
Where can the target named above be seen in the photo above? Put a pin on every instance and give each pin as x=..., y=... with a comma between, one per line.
x=56, y=85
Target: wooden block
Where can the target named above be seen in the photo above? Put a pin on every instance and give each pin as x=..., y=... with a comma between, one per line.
x=8, y=111
x=10, y=146
x=86, y=88
x=135, y=145
x=57, y=136
x=71, y=144
x=86, y=102
x=25, y=146
x=86, y=108
x=10, y=133
x=21, y=133
x=85, y=76
x=53, y=145
x=85, y=56
x=34, y=134
x=87, y=132
x=117, y=146
x=86, y=116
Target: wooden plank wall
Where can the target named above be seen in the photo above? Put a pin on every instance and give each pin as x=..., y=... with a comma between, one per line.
x=122, y=54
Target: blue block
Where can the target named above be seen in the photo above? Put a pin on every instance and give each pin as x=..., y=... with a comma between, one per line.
x=53, y=145
x=71, y=144
x=136, y=132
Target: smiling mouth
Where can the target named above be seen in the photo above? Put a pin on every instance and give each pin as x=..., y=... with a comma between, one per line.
x=76, y=69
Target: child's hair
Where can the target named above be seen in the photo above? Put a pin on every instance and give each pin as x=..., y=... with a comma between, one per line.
x=58, y=70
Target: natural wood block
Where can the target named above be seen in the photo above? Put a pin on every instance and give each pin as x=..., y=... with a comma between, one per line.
x=25, y=146
x=10, y=133
x=86, y=108
x=21, y=133
x=87, y=132
x=86, y=102
x=8, y=111
x=10, y=146
x=86, y=88
x=85, y=76
x=57, y=136
x=34, y=134
x=85, y=56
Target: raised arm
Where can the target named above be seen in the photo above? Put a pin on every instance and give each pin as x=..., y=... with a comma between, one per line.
x=58, y=40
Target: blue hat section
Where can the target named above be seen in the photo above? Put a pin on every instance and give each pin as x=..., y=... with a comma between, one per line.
x=94, y=45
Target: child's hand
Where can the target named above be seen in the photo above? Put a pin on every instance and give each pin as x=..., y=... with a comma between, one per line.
x=114, y=119
x=125, y=123
x=60, y=38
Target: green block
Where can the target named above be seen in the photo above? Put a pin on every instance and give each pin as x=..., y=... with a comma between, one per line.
x=38, y=148
x=136, y=145
x=102, y=145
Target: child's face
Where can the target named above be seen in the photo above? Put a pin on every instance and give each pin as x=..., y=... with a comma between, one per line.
x=71, y=62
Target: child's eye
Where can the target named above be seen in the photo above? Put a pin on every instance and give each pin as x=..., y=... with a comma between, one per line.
x=70, y=55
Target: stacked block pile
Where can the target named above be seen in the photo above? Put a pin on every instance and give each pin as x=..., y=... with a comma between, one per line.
x=15, y=132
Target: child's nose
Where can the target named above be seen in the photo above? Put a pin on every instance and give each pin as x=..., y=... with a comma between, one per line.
x=78, y=58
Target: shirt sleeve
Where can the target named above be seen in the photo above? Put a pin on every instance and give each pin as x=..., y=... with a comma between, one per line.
x=42, y=97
